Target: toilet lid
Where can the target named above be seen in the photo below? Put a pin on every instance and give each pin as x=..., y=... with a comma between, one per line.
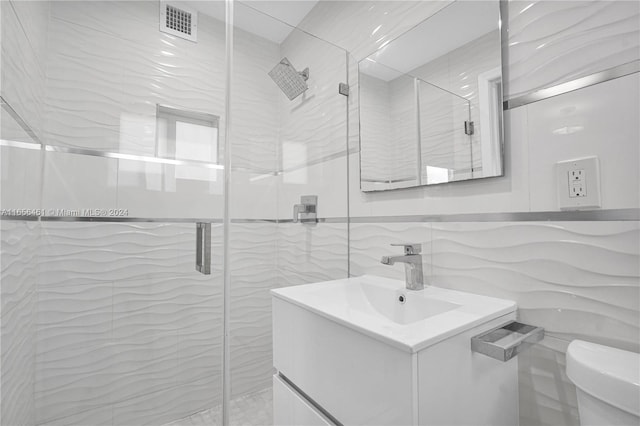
x=609, y=374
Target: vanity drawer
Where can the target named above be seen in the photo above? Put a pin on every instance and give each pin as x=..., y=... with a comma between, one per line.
x=291, y=408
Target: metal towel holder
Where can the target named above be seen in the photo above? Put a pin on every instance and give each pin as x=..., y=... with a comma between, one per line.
x=508, y=340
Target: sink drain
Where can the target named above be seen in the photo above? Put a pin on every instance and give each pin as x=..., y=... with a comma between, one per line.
x=402, y=298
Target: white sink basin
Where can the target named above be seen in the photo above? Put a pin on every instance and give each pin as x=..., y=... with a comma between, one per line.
x=395, y=304
x=382, y=308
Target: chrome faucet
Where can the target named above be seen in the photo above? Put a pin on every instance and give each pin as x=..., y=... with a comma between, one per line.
x=412, y=260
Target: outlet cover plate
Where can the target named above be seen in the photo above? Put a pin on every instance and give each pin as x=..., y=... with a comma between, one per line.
x=589, y=167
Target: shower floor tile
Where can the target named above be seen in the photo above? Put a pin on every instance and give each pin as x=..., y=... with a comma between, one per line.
x=250, y=410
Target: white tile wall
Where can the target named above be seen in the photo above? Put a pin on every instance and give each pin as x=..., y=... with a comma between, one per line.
x=125, y=333
x=254, y=260
x=403, y=127
x=254, y=195
x=312, y=125
x=143, y=284
x=368, y=243
x=506, y=194
x=325, y=179
x=18, y=298
x=603, y=117
x=104, y=84
x=120, y=66
x=24, y=37
x=375, y=111
x=575, y=279
x=351, y=24
x=76, y=182
x=529, y=151
x=551, y=42
x=308, y=253
x=580, y=280
x=20, y=177
x=126, y=328
x=147, y=189
x=255, y=104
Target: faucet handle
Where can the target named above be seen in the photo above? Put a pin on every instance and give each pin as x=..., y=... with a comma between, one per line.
x=410, y=248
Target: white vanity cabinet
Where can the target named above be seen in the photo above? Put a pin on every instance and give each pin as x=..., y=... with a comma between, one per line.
x=342, y=361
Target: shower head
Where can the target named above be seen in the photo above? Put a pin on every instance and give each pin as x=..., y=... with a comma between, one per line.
x=290, y=81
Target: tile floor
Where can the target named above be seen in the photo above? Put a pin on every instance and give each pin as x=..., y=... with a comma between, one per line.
x=249, y=410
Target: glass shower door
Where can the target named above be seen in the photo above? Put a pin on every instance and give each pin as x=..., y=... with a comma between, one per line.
x=286, y=141
x=112, y=146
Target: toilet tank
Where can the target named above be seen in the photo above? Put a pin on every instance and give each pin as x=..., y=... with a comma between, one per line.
x=607, y=381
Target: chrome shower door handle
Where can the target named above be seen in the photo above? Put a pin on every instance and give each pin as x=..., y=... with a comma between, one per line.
x=203, y=247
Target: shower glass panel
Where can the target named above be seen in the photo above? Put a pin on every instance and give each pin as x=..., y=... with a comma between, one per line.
x=446, y=152
x=281, y=149
x=111, y=148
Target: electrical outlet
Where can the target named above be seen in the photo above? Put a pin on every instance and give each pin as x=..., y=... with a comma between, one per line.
x=578, y=184
x=576, y=175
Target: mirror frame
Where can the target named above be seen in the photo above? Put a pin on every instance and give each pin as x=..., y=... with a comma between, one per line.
x=502, y=13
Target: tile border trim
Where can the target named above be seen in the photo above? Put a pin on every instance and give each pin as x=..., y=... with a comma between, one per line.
x=610, y=215
x=570, y=86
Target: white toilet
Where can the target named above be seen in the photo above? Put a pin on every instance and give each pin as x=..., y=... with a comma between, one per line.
x=608, y=383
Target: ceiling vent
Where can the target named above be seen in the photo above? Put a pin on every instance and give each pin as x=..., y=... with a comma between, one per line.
x=179, y=21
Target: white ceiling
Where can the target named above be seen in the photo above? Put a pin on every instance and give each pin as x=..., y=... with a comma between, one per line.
x=452, y=27
x=256, y=16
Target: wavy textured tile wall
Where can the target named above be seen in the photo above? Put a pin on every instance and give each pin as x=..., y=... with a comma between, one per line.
x=404, y=127
x=119, y=73
x=389, y=137
x=354, y=24
x=124, y=70
x=126, y=332
x=312, y=125
x=18, y=255
x=309, y=254
x=24, y=41
x=575, y=279
x=253, y=262
x=551, y=42
x=443, y=142
x=125, y=325
x=369, y=242
x=23, y=45
x=266, y=256
x=255, y=103
x=376, y=134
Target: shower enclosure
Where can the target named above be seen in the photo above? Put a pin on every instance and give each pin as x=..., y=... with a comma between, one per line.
x=150, y=166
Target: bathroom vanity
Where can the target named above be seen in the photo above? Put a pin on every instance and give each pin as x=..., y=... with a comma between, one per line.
x=367, y=351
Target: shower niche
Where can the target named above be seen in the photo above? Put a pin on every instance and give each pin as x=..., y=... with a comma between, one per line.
x=431, y=113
